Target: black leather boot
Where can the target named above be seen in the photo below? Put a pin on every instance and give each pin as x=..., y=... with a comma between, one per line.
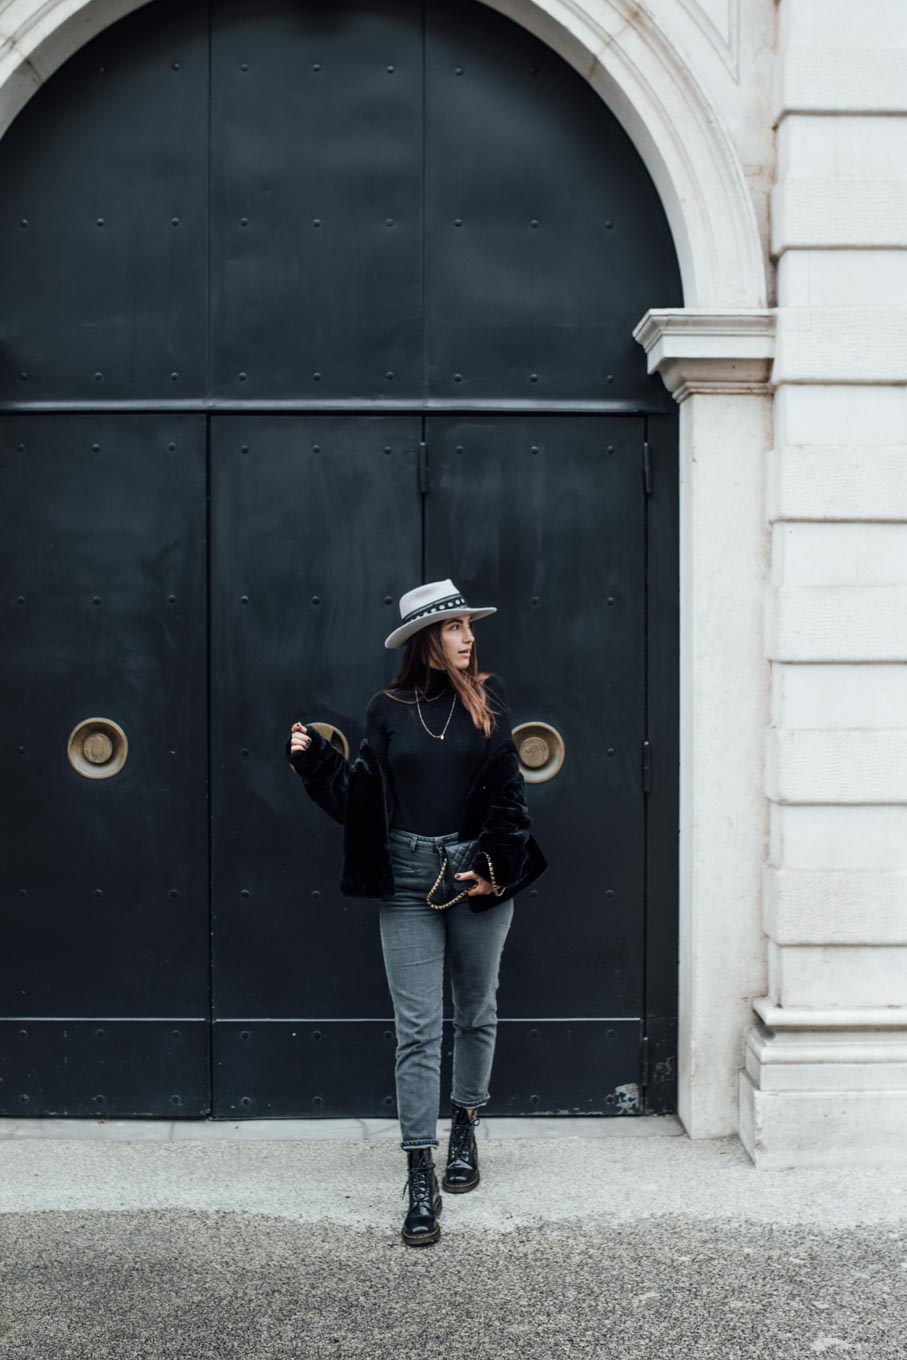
x=421, y=1227
x=462, y=1171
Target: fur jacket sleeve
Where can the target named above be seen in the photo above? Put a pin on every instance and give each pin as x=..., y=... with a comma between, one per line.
x=356, y=795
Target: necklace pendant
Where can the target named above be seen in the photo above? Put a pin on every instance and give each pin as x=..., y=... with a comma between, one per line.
x=442, y=736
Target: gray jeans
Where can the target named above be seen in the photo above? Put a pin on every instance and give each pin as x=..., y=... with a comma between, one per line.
x=414, y=937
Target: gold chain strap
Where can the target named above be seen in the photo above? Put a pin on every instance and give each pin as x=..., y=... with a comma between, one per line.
x=439, y=906
x=498, y=892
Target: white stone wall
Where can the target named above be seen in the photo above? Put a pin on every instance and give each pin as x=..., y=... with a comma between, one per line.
x=826, y=1073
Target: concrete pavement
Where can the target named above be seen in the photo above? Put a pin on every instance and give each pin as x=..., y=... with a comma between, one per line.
x=597, y=1238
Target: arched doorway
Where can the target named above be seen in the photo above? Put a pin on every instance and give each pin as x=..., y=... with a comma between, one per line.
x=304, y=307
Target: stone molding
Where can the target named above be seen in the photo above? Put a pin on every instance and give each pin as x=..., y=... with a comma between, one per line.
x=717, y=350
x=830, y=1017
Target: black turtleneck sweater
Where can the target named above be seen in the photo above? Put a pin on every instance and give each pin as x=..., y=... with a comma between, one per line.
x=429, y=778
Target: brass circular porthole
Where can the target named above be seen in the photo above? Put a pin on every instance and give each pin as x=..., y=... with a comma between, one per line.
x=97, y=748
x=334, y=736
x=541, y=750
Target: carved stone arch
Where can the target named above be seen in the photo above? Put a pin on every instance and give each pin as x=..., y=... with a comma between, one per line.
x=614, y=44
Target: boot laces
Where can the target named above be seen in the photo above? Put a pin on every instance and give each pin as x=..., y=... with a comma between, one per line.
x=461, y=1134
x=419, y=1182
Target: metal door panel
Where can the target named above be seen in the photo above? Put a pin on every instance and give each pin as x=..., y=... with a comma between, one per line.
x=411, y=205
x=663, y=730
x=546, y=518
x=115, y=1069
x=105, y=880
x=545, y=239
x=315, y=534
x=104, y=233
x=317, y=200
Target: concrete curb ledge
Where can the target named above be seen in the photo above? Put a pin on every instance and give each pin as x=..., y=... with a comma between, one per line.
x=329, y=1130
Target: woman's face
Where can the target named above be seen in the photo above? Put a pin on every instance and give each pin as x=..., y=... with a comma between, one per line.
x=457, y=641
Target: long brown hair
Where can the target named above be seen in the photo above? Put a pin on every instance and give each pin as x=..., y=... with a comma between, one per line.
x=423, y=648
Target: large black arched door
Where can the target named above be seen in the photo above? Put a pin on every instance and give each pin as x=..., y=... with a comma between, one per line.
x=303, y=304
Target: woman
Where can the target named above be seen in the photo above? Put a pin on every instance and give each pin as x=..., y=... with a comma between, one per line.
x=438, y=768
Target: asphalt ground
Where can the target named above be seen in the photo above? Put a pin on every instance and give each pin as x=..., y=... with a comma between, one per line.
x=605, y=1246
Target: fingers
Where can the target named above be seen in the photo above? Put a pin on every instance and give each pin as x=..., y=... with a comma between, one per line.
x=480, y=886
x=300, y=740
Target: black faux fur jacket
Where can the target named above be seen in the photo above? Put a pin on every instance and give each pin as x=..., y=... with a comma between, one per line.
x=355, y=794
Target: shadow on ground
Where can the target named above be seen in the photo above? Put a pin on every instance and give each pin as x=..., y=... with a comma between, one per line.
x=163, y=1283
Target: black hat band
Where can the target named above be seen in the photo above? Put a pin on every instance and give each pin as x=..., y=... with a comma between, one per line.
x=451, y=602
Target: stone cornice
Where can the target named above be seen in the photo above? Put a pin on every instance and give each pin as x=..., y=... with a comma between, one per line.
x=715, y=350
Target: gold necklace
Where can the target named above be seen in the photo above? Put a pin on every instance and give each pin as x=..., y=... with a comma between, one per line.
x=437, y=736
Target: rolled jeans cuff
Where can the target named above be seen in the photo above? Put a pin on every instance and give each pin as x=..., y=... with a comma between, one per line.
x=470, y=1104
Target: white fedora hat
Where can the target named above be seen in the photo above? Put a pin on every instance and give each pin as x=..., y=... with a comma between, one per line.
x=434, y=600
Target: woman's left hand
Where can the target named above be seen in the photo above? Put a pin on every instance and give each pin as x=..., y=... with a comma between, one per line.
x=481, y=884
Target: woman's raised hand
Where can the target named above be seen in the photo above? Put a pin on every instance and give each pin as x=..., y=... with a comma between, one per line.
x=299, y=738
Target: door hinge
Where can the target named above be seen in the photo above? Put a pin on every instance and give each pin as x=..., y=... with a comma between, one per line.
x=646, y=468
x=646, y=767
x=644, y=1061
x=423, y=468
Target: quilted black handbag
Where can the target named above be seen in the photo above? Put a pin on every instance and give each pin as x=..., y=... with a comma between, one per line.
x=458, y=857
